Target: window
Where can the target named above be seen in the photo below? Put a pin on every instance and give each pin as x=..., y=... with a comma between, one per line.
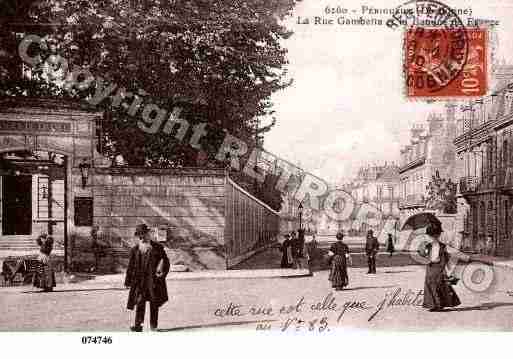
x=505, y=157
x=506, y=219
x=490, y=217
x=482, y=216
x=489, y=157
x=83, y=211
x=474, y=220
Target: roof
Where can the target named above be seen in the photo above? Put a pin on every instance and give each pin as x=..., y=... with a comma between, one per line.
x=390, y=174
x=55, y=104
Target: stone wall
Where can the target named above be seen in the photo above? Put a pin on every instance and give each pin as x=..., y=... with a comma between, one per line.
x=184, y=208
x=203, y=218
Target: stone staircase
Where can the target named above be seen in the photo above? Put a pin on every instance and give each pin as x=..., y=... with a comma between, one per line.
x=18, y=244
x=22, y=244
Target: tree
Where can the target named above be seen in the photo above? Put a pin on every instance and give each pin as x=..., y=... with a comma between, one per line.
x=441, y=195
x=219, y=61
x=268, y=193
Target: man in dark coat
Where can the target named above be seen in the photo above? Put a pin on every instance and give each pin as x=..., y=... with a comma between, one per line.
x=371, y=249
x=146, y=276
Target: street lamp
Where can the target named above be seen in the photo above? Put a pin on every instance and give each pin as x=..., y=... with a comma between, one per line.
x=300, y=211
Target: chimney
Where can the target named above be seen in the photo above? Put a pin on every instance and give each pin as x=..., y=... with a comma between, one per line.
x=416, y=130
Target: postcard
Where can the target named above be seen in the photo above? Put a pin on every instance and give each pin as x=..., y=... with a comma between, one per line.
x=280, y=168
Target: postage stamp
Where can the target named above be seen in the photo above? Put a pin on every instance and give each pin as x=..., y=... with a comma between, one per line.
x=442, y=57
x=448, y=62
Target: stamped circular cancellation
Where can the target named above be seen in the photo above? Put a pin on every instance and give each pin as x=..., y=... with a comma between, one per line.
x=436, y=50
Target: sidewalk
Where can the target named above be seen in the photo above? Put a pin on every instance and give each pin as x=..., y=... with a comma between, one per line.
x=210, y=274
x=265, y=264
x=492, y=260
x=79, y=281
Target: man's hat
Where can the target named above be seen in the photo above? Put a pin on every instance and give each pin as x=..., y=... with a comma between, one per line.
x=141, y=229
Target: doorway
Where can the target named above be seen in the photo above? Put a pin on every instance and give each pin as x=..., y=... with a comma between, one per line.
x=17, y=205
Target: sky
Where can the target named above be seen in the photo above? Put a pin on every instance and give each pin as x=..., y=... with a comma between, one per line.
x=346, y=107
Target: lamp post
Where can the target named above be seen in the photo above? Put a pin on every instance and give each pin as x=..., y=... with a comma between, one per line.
x=300, y=212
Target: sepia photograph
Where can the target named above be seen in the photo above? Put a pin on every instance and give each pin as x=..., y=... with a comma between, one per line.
x=274, y=167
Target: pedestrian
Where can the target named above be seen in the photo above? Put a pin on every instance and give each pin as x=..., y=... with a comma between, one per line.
x=148, y=267
x=489, y=245
x=301, y=240
x=98, y=247
x=438, y=291
x=390, y=244
x=44, y=277
x=371, y=249
x=286, y=250
x=339, y=256
x=308, y=249
x=294, y=244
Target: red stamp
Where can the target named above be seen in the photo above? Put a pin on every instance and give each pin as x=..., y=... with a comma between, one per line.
x=446, y=62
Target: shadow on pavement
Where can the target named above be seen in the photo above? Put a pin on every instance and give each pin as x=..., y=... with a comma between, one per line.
x=73, y=290
x=484, y=306
x=369, y=287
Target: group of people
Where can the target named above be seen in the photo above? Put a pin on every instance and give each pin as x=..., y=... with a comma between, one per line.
x=295, y=251
x=438, y=290
x=149, y=265
x=339, y=257
x=145, y=277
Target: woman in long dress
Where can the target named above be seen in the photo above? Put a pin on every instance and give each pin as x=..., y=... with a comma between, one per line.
x=286, y=257
x=45, y=276
x=438, y=292
x=339, y=257
x=390, y=245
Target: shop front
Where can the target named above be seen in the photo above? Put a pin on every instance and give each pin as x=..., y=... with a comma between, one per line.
x=43, y=144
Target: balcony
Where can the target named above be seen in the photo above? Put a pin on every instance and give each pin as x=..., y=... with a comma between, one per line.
x=412, y=201
x=474, y=184
x=468, y=184
x=412, y=164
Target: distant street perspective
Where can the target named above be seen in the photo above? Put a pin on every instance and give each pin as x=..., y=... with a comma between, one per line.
x=209, y=303
x=260, y=296
x=277, y=165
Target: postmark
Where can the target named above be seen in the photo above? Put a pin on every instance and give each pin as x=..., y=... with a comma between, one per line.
x=441, y=57
x=445, y=62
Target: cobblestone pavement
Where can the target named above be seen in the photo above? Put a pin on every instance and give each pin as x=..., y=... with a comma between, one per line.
x=298, y=304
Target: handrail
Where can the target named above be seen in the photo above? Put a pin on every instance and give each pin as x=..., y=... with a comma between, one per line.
x=234, y=184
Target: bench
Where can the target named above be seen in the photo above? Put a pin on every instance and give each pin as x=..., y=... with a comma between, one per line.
x=19, y=270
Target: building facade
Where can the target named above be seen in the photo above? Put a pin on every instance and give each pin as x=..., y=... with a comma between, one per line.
x=52, y=180
x=485, y=155
x=378, y=185
x=430, y=154
x=375, y=191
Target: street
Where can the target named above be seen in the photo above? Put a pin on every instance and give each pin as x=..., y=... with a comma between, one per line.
x=388, y=300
